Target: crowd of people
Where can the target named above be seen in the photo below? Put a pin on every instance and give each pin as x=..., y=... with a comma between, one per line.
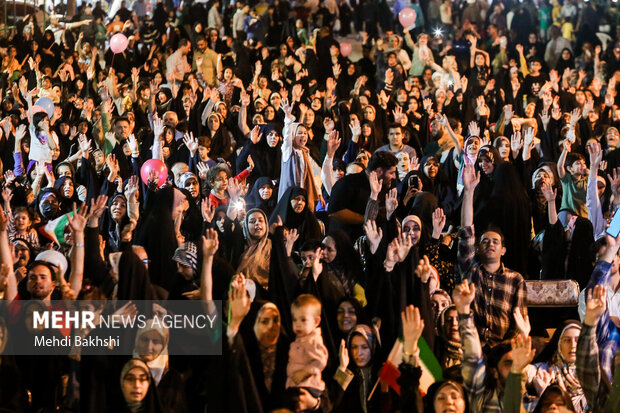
x=363, y=215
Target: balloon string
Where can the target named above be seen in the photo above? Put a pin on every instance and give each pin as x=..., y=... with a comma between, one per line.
x=112, y=64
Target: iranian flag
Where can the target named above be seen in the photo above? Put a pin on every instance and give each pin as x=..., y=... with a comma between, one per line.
x=55, y=229
x=431, y=370
x=109, y=142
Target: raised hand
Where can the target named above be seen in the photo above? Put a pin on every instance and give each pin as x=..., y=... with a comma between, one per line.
x=374, y=235
x=413, y=326
x=439, y=222
x=375, y=185
x=133, y=144
x=391, y=202
x=333, y=143
x=84, y=144
x=7, y=194
x=158, y=128
x=238, y=301
x=541, y=380
x=463, y=295
x=256, y=135
x=203, y=170
x=191, y=143
x=343, y=356
x=97, y=206
x=403, y=245
x=471, y=178
x=473, y=129
x=548, y=192
x=522, y=322
x=522, y=353
x=290, y=236
x=425, y=271
x=210, y=243
x=596, y=304
x=77, y=222
x=132, y=189
x=398, y=114
x=207, y=209
x=356, y=129
x=286, y=108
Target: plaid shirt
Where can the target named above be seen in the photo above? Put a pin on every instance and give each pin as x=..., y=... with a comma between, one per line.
x=588, y=369
x=607, y=337
x=482, y=399
x=497, y=294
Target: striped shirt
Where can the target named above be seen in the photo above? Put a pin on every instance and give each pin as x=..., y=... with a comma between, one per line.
x=498, y=294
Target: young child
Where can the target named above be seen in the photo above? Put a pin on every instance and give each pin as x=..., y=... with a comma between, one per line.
x=573, y=174
x=20, y=227
x=307, y=355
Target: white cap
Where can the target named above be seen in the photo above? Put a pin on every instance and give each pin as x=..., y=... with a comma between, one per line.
x=55, y=258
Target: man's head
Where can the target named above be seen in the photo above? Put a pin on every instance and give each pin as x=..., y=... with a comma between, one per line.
x=499, y=363
x=41, y=280
x=395, y=135
x=122, y=128
x=491, y=246
x=201, y=43
x=576, y=164
x=185, y=46
x=171, y=119
x=384, y=164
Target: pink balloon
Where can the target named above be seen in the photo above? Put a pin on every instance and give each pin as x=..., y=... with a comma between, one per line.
x=407, y=17
x=345, y=48
x=118, y=43
x=157, y=166
x=37, y=108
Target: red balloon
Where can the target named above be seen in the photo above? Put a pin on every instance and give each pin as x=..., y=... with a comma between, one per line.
x=407, y=17
x=154, y=165
x=345, y=48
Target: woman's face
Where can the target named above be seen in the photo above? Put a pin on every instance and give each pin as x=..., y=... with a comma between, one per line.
x=275, y=100
x=346, y=316
x=329, y=252
x=309, y=118
x=369, y=114
x=315, y=105
x=403, y=162
x=542, y=176
x=449, y=400
x=150, y=345
x=431, y=168
x=580, y=97
x=135, y=385
x=270, y=113
x=298, y=203
x=301, y=137
x=479, y=60
x=265, y=192
x=64, y=170
x=118, y=209
x=486, y=165
x=529, y=110
x=228, y=74
x=565, y=55
x=273, y=138
x=568, y=344
x=366, y=130
x=214, y=123
x=67, y=188
x=451, y=325
x=257, y=227
x=504, y=149
x=360, y=351
x=413, y=229
x=267, y=327
x=99, y=158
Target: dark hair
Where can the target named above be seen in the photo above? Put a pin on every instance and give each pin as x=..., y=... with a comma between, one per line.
x=493, y=228
x=573, y=157
x=204, y=141
x=557, y=390
x=395, y=126
x=183, y=43
x=493, y=358
x=311, y=245
x=215, y=171
x=49, y=266
x=381, y=159
x=121, y=119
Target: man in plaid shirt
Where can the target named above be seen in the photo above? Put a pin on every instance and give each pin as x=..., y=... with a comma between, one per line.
x=499, y=291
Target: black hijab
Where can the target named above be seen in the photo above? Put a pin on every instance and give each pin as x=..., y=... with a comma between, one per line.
x=305, y=222
x=254, y=200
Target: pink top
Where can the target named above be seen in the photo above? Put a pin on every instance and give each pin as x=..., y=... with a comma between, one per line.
x=307, y=353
